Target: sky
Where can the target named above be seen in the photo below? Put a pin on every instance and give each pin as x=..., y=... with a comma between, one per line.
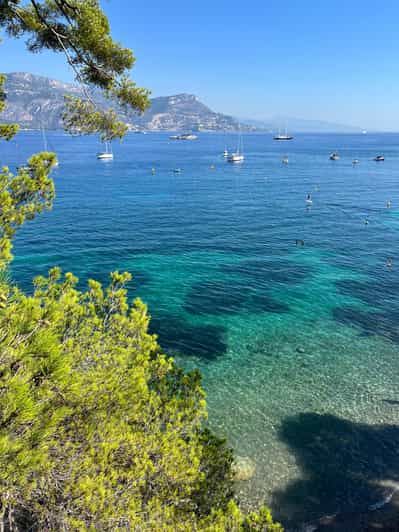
x=331, y=60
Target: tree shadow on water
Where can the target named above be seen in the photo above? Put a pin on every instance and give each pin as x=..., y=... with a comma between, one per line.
x=346, y=467
x=177, y=335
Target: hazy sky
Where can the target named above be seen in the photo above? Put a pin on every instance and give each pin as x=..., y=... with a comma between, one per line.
x=329, y=60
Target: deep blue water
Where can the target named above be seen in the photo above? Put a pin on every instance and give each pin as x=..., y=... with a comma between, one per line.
x=298, y=345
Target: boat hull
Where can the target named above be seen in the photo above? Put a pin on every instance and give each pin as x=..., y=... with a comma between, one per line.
x=236, y=159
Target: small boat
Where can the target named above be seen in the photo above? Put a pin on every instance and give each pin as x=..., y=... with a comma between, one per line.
x=355, y=161
x=285, y=160
x=280, y=136
x=309, y=199
x=187, y=136
x=184, y=136
x=238, y=156
x=379, y=158
x=107, y=154
x=176, y=170
x=334, y=156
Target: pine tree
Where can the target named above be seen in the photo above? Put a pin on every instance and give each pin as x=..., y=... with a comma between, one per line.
x=99, y=429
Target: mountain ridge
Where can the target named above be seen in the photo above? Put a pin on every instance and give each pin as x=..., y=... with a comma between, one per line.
x=35, y=101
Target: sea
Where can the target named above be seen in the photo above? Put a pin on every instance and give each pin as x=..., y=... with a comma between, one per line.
x=290, y=310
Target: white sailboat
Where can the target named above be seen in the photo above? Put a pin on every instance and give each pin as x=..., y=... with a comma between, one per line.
x=238, y=156
x=45, y=145
x=107, y=154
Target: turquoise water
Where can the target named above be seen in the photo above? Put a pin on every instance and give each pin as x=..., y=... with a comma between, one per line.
x=298, y=345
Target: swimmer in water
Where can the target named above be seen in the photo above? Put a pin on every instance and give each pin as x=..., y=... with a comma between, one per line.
x=366, y=222
x=389, y=263
x=388, y=204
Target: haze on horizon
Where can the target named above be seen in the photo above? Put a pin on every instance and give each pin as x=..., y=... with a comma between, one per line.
x=335, y=63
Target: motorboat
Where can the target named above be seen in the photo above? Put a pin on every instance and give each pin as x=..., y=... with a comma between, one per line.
x=284, y=136
x=188, y=136
x=184, y=136
x=334, y=156
x=379, y=158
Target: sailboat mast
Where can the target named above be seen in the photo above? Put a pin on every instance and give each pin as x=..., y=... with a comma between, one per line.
x=44, y=138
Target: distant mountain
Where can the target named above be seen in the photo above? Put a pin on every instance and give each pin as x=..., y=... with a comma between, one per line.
x=301, y=125
x=33, y=101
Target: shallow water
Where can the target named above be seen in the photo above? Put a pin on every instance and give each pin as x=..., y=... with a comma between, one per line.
x=298, y=345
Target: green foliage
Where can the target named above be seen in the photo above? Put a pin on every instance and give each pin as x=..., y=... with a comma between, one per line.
x=80, y=30
x=98, y=429
x=82, y=117
x=22, y=196
x=7, y=131
x=216, y=487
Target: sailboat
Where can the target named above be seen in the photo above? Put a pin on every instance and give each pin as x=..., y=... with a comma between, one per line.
x=283, y=137
x=238, y=156
x=45, y=145
x=107, y=154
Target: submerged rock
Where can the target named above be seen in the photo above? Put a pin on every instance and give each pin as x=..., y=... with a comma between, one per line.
x=243, y=468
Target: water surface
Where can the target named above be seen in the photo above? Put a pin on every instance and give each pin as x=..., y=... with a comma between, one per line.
x=298, y=345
